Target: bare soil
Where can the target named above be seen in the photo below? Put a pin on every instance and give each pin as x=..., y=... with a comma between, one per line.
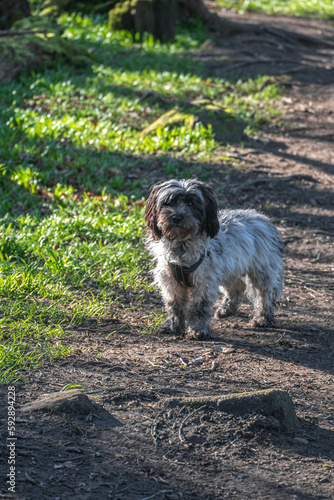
x=146, y=451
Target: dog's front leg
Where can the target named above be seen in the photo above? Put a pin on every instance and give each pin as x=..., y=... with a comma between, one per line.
x=175, y=322
x=199, y=320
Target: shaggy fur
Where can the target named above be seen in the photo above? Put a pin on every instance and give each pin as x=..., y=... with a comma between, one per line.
x=240, y=250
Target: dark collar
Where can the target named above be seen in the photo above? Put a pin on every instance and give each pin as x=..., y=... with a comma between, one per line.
x=184, y=275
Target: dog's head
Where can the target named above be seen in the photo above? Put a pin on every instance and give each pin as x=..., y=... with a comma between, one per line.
x=179, y=210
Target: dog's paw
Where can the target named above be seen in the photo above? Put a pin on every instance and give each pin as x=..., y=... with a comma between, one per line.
x=261, y=322
x=224, y=312
x=198, y=334
x=169, y=328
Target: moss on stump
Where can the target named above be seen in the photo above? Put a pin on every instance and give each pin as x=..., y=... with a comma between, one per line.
x=226, y=128
x=172, y=118
x=73, y=404
x=56, y=7
x=270, y=403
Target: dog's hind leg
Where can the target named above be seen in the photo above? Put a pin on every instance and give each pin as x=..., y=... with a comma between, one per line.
x=260, y=289
x=233, y=293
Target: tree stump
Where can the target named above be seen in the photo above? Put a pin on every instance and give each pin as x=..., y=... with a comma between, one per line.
x=140, y=16
x=226, y=128
x=33, y=41
x=11, y=11
x=74, y=404
x=271, y=403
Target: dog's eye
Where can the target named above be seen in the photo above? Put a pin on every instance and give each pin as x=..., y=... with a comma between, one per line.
x=172, y=202
x=189, y=203
x=169, y=203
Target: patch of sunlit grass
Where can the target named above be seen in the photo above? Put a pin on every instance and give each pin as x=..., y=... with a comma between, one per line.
x=315, y=8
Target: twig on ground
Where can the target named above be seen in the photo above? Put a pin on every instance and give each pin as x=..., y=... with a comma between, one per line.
x=261, y=39
x=314, y=291
x=291, y=238
x=161, y=492
x=267, y=61
x=203, y=370
x=329, y=179
x=182, y=439
x=155, y=364
x=286, y=178
x=156, y=95
x=183, y=362
x=288, y=35
x=154, y=427
x=21, y=33
x=154, y=433
x=321, y=231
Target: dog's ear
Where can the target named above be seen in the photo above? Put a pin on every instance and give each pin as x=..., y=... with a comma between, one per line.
x=151, y=212
x=211, y=221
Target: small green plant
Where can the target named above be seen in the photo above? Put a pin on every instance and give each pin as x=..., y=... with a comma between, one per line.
x=318, y=8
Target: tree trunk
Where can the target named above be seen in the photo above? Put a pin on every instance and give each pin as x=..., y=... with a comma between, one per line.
x=274, y=404
x=11, y=11
x=139, y=16
x=159, y=18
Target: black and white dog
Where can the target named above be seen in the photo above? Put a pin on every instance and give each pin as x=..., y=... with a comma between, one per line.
x=201, y=253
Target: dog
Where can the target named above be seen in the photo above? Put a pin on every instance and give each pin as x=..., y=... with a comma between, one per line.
x=202, y=254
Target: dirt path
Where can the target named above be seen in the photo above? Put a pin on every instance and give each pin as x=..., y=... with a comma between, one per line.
x=146, y=453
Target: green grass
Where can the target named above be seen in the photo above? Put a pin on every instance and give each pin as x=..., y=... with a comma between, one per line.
x=49, y=264
x=312, y=8
x=74, y=172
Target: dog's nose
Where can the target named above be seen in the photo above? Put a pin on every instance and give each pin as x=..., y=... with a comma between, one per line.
x=176, y=218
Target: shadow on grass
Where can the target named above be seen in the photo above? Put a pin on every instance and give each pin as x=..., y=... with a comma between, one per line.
x=57, y=162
